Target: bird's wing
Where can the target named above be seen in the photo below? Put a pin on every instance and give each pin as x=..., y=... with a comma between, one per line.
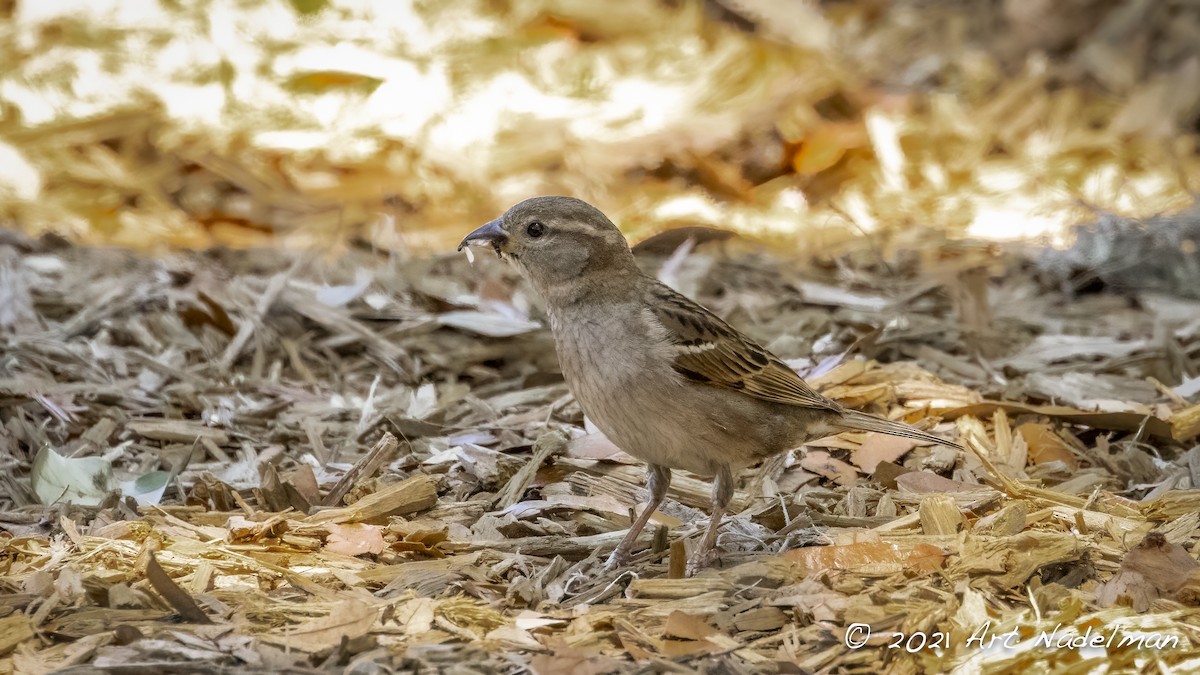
x=710, y=351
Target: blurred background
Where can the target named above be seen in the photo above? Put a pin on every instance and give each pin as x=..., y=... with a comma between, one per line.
x=159, y=123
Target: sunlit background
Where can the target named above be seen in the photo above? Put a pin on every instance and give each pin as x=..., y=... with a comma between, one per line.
x=171, y=123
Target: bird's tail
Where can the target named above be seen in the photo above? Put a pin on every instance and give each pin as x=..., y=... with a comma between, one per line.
x=861, y=421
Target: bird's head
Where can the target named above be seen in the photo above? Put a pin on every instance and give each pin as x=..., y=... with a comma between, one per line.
x=557, y=242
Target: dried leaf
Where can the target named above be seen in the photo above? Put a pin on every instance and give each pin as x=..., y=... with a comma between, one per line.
x=878, y=448
x=597, y=446
x=1046, y=446
x=836, y=470
x=354, y=539
x=687, y=626
x=180, y=600
x=1164, y=565
x=81, y=480
x=924, y=482
x=348, y=618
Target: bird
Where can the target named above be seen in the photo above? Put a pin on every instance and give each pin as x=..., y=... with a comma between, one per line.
x=665, y=379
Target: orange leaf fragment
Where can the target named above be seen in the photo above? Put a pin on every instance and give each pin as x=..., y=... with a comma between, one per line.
x=354, y=538
x=1045, y=445
x=880, y=448
x=687, y=626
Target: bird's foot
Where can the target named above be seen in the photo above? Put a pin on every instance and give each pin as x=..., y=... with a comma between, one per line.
x=702, y=558
x=617, y=559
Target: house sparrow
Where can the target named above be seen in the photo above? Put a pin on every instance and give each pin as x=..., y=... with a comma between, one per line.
x=665, y=379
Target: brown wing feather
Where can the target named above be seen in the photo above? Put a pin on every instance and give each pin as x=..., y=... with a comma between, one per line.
x=712, y=352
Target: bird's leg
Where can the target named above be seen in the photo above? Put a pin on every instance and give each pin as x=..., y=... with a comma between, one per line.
x=658, y=479
x=721, y=496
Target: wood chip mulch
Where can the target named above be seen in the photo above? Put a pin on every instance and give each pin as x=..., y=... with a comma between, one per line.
x=361, y=463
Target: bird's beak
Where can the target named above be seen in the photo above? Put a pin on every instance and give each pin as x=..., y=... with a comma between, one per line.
x=489, y=235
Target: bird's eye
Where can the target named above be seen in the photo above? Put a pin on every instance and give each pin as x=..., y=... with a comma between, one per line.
x=535, y=229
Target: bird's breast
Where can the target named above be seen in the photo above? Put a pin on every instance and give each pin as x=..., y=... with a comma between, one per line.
x=608, y=354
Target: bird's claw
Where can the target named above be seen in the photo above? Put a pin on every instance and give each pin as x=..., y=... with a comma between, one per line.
x=700, y=560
